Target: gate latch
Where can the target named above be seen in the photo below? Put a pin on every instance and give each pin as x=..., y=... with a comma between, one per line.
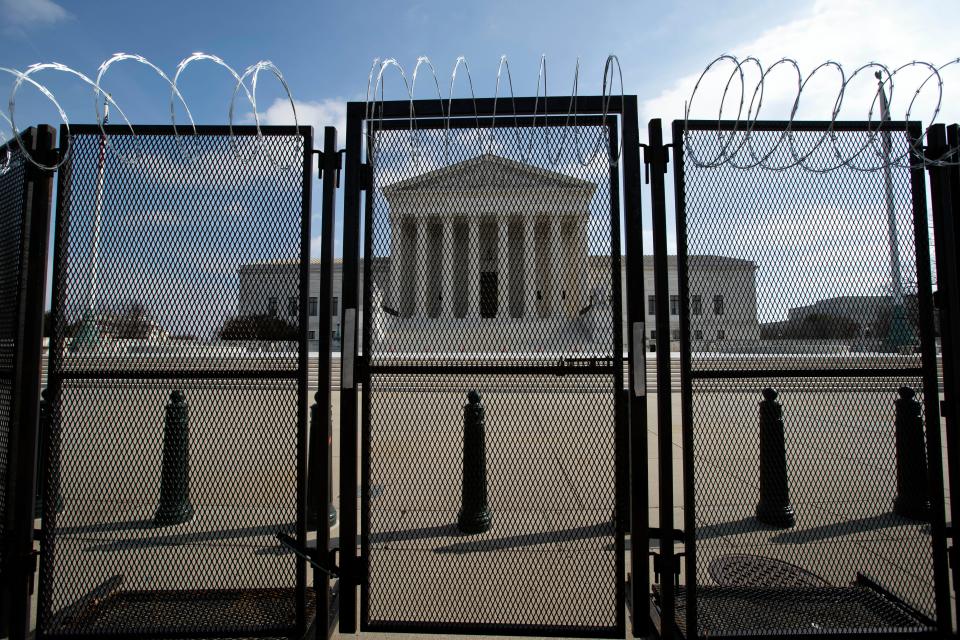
x=315, y=557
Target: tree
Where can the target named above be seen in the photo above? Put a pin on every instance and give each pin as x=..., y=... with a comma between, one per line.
x=815, y=326
x=69, y=330
x=258, y=327
x=129, y=320
x=909, y=317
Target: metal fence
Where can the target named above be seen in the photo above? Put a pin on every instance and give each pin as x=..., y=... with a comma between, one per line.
x=808, y=508
x=176, y=437
x=24, y=222
x=943, y=145
x=490, y=378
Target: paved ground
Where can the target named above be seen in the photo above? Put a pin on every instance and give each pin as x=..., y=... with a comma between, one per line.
x=550, y=461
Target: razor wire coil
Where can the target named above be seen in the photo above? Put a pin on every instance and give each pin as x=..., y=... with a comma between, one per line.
x=737, y=148
x=102, y=99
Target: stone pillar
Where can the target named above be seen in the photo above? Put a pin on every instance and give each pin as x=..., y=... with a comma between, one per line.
x=420, y=269
x=446, y=270
x=529, y=269
x=503, y=268
x=557, y=269
x=581, y=259
x=396, y=263
x=473, y=268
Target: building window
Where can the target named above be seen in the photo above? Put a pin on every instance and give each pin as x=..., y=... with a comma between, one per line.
x=653, y=334
x=291, y=306
x=697, y=305
x=334, y=335
x=718, y=305
x=335, y=301
x=676, y=334
x=651, y=305
x=272, y=306
x=674, y=305
x=312, y=307
x=720, y=334
x=697, y=334
x=311, y=335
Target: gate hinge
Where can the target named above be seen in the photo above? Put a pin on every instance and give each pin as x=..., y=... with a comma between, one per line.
x=659, y=156
x=658, y=568
x=366, y=177
x=326, y=562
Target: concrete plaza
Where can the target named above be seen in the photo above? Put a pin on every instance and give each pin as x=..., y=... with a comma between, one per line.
x=550, y=556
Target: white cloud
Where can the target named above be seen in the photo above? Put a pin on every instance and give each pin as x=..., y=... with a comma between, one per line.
x=319, y=114
x=851, y=32
x=24, y=13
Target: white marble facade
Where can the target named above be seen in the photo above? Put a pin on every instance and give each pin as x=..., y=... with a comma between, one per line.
x=488, y=238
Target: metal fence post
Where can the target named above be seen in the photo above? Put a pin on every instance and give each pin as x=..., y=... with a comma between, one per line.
x=27, y=310
x=945, y=200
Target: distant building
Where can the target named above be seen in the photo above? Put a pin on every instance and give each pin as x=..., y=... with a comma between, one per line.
x=867, y=311
x=495, y=253
x=723, y=307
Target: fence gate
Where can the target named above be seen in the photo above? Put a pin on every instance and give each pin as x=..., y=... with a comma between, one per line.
x=176, y=433
x=807, y=502
x=490, y=367
x=24, y=223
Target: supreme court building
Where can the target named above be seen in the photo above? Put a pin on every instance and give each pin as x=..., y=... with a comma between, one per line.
x=492, y=255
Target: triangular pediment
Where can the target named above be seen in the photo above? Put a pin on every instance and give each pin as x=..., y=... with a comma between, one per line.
x=489, y=171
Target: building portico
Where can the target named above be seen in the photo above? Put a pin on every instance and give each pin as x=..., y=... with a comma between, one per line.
x=489, y=238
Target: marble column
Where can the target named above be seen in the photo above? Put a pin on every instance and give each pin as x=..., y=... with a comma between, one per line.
x=420, y=268
x=396, y=263
x=529, y=269
x=503, y=268
x=473, y=268
x=446, y=270
x=557, y=269
x=582, y=265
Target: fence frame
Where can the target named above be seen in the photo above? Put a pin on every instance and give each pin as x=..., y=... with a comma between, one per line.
x=56, y=376
x=20, y=483
x=945, y=209
x=665, y=619
x=631, y=435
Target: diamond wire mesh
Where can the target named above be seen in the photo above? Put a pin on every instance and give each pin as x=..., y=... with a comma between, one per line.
x=11, y=231
x=467, y=271
x=168, y=293
x=808, y=285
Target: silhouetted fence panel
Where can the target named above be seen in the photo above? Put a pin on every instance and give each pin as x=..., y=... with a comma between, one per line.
x=24, y=222
x=178, y=385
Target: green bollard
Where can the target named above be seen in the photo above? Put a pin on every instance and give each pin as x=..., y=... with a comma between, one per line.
x=474, y=514
x=175, y=506
x=774, y=507
x=912, y=499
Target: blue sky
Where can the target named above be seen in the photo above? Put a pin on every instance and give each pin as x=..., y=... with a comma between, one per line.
x=325, y=50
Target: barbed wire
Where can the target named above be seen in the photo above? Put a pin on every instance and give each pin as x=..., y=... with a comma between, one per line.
x=375, y=93
x=102, y=98
x=737, y=147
